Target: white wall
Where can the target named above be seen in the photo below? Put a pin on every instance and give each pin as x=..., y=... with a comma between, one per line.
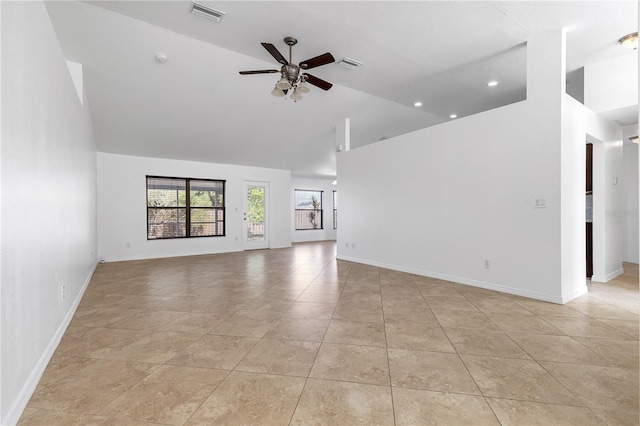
x=48, y=200
x=612, y=84
x=453, y=196
x=122, y=206
x=327, y=233
x=614, y=202
x=630, y=212
x=459, y=193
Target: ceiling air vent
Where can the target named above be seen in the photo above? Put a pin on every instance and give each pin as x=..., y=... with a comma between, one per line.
x=207, y=12
x=349, y=63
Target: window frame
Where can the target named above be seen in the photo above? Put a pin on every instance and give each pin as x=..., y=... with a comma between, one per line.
x=188, y=208
x=320, y=210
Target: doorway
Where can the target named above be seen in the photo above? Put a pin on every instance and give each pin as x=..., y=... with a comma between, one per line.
x=589, y=210
x=256, y=215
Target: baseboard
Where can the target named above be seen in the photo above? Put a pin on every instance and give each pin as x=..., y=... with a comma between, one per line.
x=280, y=246
x=155, y=256
x=575, y=293
x=19, y=404
x=608, y=277
x=169, y=256
x=614, y=274
x=460, y=280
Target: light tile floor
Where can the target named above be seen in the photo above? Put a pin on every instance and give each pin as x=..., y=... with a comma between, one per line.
x=293, y=336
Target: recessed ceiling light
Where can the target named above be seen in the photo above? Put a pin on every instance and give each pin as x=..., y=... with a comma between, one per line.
x=492, y=83
x=630, y=41
x=453, y=116
x=417, y=104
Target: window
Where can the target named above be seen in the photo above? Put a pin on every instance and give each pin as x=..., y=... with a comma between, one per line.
x=184, y=208
x=335, y=209
x=308, y=209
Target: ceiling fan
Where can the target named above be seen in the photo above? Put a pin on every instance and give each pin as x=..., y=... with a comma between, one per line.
x=291, y=75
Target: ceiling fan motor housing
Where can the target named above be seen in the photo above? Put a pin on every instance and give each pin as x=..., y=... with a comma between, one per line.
x=291, y=72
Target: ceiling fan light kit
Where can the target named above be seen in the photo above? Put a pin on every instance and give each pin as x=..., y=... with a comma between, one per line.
x=283, y=84
x=278, y=93
x=291, y=76
x=303, y=87
x=296, y=96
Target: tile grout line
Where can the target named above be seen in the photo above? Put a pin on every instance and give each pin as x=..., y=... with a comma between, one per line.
x=486, y=401
x=209, y=396
x=314, y=360
x=386, y=347
x=541, y=366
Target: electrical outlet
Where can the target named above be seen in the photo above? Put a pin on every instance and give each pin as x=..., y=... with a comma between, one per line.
x=62, y=291
x=353, y=245
x=346, y=245
x=487, y=264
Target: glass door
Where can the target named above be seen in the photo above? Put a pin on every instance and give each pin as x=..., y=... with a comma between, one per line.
x=255, y=215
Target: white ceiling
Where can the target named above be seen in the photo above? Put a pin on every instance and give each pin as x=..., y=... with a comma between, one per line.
x=197, y=106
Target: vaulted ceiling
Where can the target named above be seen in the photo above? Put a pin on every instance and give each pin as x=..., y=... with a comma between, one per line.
x=197, y=107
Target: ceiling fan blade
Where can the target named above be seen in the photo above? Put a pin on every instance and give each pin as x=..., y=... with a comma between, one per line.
x=258, y=72
x=275, y=53
x=324, y=59
x=318, y=82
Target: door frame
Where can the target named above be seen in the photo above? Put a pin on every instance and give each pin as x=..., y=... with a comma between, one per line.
x=266, y=243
